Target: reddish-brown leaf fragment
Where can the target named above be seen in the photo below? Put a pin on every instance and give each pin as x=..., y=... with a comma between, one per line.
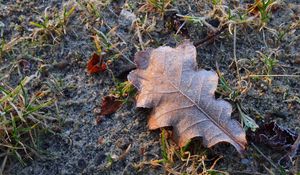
x=110, y=104
x=182, y=96
x=96, y=64
x=101, y=140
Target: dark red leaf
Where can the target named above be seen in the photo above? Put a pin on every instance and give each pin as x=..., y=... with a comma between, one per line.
x=274, y=136
x=96, y=64
x=278, y=138
x=110, y=104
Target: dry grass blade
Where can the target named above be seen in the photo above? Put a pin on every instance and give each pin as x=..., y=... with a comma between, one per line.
x=6, y=47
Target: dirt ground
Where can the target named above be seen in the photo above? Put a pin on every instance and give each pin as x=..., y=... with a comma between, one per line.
x=59, y=53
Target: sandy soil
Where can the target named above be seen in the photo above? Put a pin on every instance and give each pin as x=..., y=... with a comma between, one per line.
x=79, y=145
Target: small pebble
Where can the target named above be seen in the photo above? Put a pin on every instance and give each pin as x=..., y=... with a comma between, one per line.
x=126, y=18
x=1, y=28
x=245, y=161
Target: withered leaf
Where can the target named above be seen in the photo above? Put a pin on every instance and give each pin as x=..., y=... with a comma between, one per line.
x=287, y=160
x=95, y=64
x=110, y=104
x=278, y=138
x=274, y=136
x=183, y=97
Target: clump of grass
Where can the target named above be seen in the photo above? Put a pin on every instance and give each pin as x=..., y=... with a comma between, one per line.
x=225, y=89
x=159, y=6
x=256, y=14
x=92, y=7
x=216, y=2
x=269, y=62
x=189, y=159
x=265, y=70
x=198, y=20
x=21, y=116
x=6, y=46
x=105, y=46
x=53, y=26
x=233, y=95
x=144, y=26
x=124, y=91
x=263, y=7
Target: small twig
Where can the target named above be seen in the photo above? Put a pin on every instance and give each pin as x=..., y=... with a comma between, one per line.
x=125, y=153
x=138, y=32
x=181, y=26
x=264, y=38
x=234, y=54
x=125, y=169
x=264, y=156
x=4, y=163
x=284, y=75
x=215, y=162
x=246, y=172
x=209, y=38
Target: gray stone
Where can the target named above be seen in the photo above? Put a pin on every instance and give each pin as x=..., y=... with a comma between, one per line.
x=126, y=19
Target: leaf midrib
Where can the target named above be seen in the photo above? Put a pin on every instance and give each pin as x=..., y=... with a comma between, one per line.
x=208, y=116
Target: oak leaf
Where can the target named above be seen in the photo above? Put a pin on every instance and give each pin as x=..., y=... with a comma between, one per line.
x=183, y=97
